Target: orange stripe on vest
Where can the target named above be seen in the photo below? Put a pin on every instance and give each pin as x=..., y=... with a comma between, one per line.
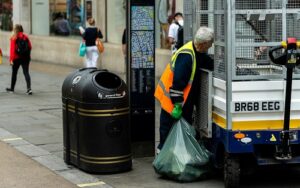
x=162, y=92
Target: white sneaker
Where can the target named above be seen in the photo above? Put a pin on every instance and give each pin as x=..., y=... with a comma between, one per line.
x=29, y=92
x=157, y=151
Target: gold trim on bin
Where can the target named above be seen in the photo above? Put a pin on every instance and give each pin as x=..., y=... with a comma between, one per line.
x=102, y=115
x=105, y=158
x=98, y=113
x=106, y=162
x=101, y=160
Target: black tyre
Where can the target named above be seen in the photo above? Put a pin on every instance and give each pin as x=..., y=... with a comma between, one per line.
x=232, y=171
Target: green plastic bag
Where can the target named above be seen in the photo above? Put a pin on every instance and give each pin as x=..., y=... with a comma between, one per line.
x=182, y=158
x=82, y=49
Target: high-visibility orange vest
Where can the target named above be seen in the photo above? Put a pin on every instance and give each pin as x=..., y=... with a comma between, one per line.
x=162, y=92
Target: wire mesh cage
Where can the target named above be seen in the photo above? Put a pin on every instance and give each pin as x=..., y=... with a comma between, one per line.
x=258, y=4
x=244, y=32
x=188, y=20
x=293, y=4
x=293, y=25
x=202, y=113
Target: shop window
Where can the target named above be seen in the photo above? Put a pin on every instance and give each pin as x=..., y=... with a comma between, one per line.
x=116, y=21
x=6, y=23
x=166, y=10
x=71, y=11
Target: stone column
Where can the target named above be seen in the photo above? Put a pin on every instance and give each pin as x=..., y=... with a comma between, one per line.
x=22, y=14
x=100, y=15
x=179, y=6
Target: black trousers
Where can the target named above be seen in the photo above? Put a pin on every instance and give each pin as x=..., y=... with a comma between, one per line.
x=24, y=62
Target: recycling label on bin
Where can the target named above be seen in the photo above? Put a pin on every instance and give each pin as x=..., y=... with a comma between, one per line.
x=76, y=80
x=111, y=96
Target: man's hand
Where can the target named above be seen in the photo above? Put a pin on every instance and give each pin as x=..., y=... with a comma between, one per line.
x=177, y=111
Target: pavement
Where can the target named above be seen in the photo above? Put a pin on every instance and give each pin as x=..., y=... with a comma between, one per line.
x=31, y=143
x=32, y=126
x=16, y=169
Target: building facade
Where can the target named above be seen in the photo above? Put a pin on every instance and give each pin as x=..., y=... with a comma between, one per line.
x=38, y=16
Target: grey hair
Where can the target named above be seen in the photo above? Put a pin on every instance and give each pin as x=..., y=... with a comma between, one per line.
x=204, y=34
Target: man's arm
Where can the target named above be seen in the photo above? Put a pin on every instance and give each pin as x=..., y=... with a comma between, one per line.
x=124, y=42
x=208, y=63
x=171, y=40
x=124, y=49
x=182, y=74
x=172, y=34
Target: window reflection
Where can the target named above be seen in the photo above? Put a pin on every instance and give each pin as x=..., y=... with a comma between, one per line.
x=66, y=17
x=6, y=23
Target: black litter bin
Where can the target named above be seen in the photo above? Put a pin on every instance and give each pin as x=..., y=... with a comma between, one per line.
x=96, y=121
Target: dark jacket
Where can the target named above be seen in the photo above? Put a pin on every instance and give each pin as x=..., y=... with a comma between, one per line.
x=182, y=74
x=90, y=35
x=62, y=27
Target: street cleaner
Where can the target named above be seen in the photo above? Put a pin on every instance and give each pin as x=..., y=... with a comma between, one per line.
x=178, y=92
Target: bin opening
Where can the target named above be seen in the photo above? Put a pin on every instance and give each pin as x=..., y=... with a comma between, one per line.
x=108, y=80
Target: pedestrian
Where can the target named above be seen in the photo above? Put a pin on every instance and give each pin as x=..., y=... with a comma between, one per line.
x=124, y=49
x=1, y=56
x=124, y=43
x=20, y=49
x=178, y=88
x=175, y=34
x=90, y=35
x=61, y=25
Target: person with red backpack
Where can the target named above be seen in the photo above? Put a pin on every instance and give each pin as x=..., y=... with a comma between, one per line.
x=20, y=48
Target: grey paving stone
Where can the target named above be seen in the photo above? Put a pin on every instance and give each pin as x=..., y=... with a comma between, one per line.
x=38, y=115
x=56, y=124
x=32, y=150
x=13, y=120
x=78, y=177
x=17, y=142
x=56, y=147
x=17, y=128
x=55, y=112
x=5, y=134
x=43, y=137
x=52, y=162
x=59, y=154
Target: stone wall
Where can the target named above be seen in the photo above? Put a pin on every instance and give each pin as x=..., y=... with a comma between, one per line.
x=64, y=51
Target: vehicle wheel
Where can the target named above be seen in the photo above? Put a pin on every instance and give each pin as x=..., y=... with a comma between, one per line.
x=232, y=171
